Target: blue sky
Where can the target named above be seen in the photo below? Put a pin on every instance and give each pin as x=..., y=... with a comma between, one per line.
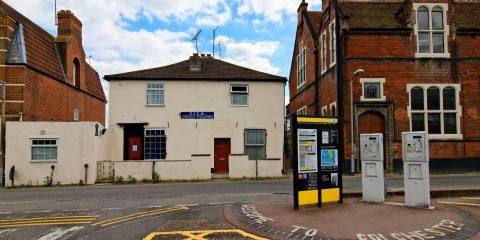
x=128, y=35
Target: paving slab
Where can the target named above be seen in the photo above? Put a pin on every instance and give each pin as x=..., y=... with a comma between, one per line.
x=355, y=219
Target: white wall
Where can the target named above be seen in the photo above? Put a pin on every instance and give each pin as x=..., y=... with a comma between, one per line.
x=77, y=145
x=265, y=111
x=240, y=167
x=186, y=137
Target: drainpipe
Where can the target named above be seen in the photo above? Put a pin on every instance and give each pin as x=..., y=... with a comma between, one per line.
x=2, y=131
x=315, y=53
x=86, y=172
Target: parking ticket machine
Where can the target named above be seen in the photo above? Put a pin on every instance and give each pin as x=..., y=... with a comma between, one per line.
x=415, y=169
x=371, y=156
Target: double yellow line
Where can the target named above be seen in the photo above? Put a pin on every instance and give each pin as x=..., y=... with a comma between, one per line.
x=138, y=215
x=64, y=220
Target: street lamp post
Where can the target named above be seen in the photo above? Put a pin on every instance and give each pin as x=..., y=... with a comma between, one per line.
x=352, y=124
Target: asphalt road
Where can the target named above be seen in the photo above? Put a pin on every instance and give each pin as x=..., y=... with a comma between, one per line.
x=131, y=196
x=152, y=211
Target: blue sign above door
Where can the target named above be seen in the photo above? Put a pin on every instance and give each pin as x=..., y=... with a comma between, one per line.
x=197, y=115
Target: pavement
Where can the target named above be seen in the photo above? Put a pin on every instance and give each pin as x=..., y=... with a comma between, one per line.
x=213, y=210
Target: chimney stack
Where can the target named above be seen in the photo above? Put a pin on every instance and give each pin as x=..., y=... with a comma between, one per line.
x=195, y=63
x=68, y=26
x=302, y=9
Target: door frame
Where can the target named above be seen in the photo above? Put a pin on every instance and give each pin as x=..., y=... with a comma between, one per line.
x=228, y=157
x=386, y=110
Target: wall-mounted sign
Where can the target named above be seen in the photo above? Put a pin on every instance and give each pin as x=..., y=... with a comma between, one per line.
x=307, y=150
x=197, y=115
x=329, y=159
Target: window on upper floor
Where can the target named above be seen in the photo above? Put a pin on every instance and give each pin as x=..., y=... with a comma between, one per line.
x=301, y=65
x=372, y=89
x=155, y=94
x=76, y=72
x=324, y=111
x=76, y=115
x=324, y=52
x=239, y=95
x=333, y=109
x=431, y=30
x=333, y=39
x=435, y=109
x=302, y=111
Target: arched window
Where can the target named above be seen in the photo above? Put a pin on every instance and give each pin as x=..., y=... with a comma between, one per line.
x=433, y=98
x=449, y=98
x=416, y=96
x=76, y=72
x=431, y=30
x=334, y=111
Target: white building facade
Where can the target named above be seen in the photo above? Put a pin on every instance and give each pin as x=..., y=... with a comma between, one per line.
x=229, y=116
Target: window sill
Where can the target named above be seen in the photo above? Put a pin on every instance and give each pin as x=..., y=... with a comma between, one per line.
x=332, y=64
x=301, y=85
x=382, y=99
x=445, y=136
x=231, y=105
x=154, y=105
x=432, y=55
x=43, y=161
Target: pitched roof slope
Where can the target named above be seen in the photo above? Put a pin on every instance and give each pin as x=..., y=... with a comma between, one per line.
x=467, y=15
x=211, y=69
x=42, y=55
x=372, y=14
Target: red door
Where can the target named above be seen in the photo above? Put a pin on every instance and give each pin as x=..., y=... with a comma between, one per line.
x=222, y=151
x=134, y=148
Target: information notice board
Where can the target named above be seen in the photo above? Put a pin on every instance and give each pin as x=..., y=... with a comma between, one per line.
x=317, y=169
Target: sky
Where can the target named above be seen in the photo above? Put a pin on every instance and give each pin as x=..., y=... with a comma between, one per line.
x=126, y=35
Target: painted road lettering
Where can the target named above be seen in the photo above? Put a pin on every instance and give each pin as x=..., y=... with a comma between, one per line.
x=441, y=229
x=309, y=232
x=252, y=213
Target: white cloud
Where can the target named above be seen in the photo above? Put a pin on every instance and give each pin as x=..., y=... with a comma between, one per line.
x=272, y=10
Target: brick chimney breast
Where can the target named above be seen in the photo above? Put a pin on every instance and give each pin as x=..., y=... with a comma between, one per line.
x=302, y=9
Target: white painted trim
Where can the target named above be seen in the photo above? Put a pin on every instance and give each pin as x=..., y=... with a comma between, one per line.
x=146, y=93
x=325, y=110
x=5, y=38
x=336, y=109
x=458, y=109
x=332, y=56
x=301, y=59
x=446, y=53
x=302, y=111
x=373, y=80
x=13, y=101
x=323, y=53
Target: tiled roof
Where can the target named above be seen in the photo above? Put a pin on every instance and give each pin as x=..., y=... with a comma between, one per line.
x=42, y=54
x=315, y=18
x=372, y=14
x=467, y=15
x=211, y=69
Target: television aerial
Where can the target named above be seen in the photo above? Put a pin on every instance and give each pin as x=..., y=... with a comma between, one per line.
x=195, y=38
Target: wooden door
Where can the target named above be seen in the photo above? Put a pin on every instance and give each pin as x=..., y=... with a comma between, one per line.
x=221, y=154
x=134, y=148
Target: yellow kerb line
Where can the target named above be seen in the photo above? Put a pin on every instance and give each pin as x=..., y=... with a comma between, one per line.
x=46, y=223
x=471, y=198
x=460, y=203
x=48, y=218
x=199, y=235
x=137, y=215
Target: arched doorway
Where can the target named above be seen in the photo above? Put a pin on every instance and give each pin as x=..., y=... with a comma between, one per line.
x=372, y=122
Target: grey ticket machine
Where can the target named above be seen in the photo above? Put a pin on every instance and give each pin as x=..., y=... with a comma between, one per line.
x=371, y=155
x=415, y=169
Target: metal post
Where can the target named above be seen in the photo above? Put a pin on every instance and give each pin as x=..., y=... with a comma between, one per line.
x=352, y=122
x=2, y=130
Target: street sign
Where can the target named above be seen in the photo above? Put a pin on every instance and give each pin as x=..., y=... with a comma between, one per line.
x=197, y=115
x=317, y=169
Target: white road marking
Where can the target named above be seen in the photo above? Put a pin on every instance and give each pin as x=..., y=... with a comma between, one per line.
x=5, y=212
x=113, y=208
x=7, y=231
x=159, y=206
x=75, y=210
x=58, y=233
x=190, y=205
x=45, y=211
x=219, y=203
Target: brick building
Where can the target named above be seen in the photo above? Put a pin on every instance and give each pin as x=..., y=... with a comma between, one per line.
x=421, y=72
x=47, y=77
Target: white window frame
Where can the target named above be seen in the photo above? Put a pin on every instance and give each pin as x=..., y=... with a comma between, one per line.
x=381, y=81
x=146, y=94
x=302, y=111
x=247, y=93
x=333, y=46
x=50, y=145
x=323, y=51
x=325, y=111
x=336, y=110
x=255, y=145
x=446, y=27
x=301, y=66
x=145, y=145
x=76, y=115
x=458, y=109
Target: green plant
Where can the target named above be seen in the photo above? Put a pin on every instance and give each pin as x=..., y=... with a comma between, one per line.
x=80, y=182
x=119, y=180
x=155, y=177
x=47, y=182
x=145, y=180
x=131, y=180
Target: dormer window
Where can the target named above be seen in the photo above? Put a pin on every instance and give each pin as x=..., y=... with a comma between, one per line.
x=431, y=30
x=76, y=72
